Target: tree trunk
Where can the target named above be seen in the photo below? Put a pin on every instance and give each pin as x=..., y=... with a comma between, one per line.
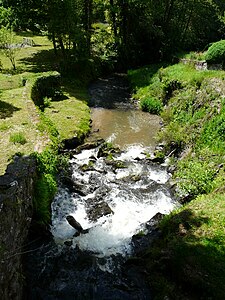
x=113, y=16
x=61, y=46
x=54, y=43
x=187, y=24
x=87, y=24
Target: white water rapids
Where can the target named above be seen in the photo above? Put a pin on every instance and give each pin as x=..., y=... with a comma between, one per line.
x=134, y=194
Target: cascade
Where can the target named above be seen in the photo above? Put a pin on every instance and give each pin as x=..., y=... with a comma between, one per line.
x=111, y=198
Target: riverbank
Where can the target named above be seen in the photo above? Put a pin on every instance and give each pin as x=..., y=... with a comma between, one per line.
x=23, y=128
x=187, y=262
x=27, y=132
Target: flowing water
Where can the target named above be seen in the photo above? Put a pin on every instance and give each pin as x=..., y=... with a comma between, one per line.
x=133, y=193
x=115, y=203
x=126, y=127
x=114, y=199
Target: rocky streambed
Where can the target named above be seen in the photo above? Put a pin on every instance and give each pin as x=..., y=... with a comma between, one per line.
x=116, y=198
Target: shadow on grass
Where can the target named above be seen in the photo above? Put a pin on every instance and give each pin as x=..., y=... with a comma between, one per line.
x=42, y=61
x=7, y=110
x=183, y=264
x=75, y=88
x=46, y=60
x=143, y=76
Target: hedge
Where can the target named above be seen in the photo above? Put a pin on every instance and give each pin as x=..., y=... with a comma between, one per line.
x=216, y=52
x=46, y=86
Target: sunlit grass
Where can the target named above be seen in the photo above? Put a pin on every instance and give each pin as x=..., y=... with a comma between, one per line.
x=18, y=113
x=41, y=43
x=192, y=246
x=70, y=117
x=23, y=117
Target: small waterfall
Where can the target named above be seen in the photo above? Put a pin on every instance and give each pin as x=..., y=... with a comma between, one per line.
x=114, y=200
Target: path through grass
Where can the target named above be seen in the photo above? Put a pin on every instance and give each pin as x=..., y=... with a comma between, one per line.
x=21, y=128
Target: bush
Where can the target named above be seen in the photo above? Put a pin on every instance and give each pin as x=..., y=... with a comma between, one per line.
x=46, y=86
x=45, y=185
x=216, y=52
x=169, y=86
x=196, y=176
x=151, y=105
x=45, y=189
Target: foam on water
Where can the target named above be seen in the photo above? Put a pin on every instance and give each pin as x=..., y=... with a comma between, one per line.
x=132, y=152
x=132, y=206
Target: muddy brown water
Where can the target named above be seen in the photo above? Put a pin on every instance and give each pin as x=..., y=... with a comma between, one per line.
x=74, y=269
x=126, y=127
x=115, y=116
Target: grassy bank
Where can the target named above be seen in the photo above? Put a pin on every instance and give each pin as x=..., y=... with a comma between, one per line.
x=23, y=128
x=26, y=130
x=188, y=261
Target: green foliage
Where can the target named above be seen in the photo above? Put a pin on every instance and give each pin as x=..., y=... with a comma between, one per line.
x=6, y=16
x=103, y=43
x=137, y=31
x=45, y=188
x=216, y=52
x=195, y=176
x=8, y=45
x=18, y=138
x=169, y=87
x=46, y=86
x=213, y=132
x=151, y=105
x=194, y=132
x=143, y=76
x=47, y=161
x=45, y=185
x=192, y=236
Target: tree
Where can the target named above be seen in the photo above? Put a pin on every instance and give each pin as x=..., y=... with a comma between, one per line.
x=8, y=45
x=6, y=16
x=28, y=14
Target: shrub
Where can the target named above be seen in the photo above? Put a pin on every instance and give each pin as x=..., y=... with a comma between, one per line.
x=46, y=86
x=216, y=52
x=196, y=176
x=18, y=137
x=169, y=86
x=45, y=185
x=151, y=105
x=45, y=188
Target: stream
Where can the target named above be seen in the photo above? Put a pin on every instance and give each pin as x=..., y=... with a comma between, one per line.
x=116, y=194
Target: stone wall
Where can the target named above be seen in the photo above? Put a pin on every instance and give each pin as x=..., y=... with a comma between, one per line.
x=202, y=65
x=16, y=208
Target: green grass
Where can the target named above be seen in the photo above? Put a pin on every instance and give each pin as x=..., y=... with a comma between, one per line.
x=193, y=55
x=194, y=243
x=70, y=116
x=188, y=261
x=18, y=113
x=18, y=138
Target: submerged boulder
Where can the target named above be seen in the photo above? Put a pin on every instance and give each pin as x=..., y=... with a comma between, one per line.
x=98, y=210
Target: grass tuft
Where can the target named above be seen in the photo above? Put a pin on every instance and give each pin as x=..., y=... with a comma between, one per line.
x=18, y=138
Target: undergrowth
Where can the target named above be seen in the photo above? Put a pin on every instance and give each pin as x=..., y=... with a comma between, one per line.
x=25, y=129
x=45, y=185
x=187, y=262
